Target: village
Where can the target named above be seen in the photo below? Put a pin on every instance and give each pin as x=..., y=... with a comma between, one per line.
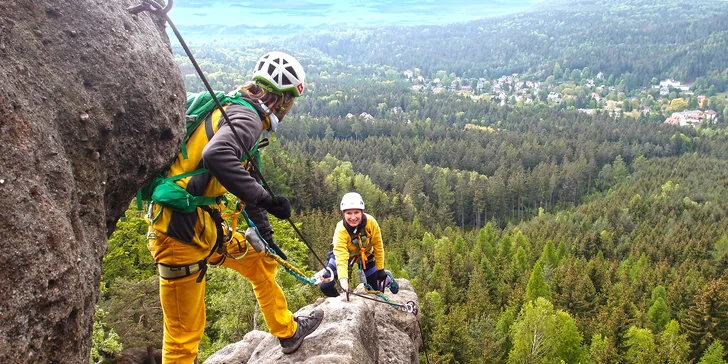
x=669, y=101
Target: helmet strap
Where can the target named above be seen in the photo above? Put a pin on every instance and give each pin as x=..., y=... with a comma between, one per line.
x=270, y=117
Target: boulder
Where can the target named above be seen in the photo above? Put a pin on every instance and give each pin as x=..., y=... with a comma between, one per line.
x=91, y=107
x=358, y=331
x=146, y=355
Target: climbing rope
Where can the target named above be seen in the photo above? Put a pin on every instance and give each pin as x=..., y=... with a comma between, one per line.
x=409, y=307
x=297, y=273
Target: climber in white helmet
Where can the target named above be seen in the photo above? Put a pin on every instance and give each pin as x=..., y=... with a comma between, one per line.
x=357, y=240
x=184, y=242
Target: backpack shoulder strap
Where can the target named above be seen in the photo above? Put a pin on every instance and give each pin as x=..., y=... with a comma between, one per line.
x=199, y=106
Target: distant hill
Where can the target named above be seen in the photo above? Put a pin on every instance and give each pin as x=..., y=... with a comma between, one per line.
x=663, y=39
x=645, y=38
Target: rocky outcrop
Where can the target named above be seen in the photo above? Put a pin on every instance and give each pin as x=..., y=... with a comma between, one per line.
x=91, y=105
x=358, y=331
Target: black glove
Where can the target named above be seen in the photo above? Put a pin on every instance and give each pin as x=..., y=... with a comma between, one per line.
x=278, y=206
x=381, y=275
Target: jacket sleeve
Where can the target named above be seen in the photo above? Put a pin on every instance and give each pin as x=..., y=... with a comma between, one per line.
x=222, y=155
x=341, y=251
x=375, y=234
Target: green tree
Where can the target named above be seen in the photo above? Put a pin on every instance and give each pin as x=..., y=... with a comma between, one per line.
x=519, y=265
x=602, y=350
x=706, y=320
x=544, y=335
x=502, y=332
x=557, y=72
x=549, y=256
x=659, y=314
x=135, y=312
x=569, y=343
x=720, y=248
x=621, y=172
x=127, y=255
x=537, y=286
x=533, y=333
x=450, y=336
x=486, y=240
x=674, y=347
x=562, y=251
x=714, y=355
x=640, y=346
x=677, y=105
x=105, y=342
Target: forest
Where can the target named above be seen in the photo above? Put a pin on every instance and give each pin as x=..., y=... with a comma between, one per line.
x=531, y=233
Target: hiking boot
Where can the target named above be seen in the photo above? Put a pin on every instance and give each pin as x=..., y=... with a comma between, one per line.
x=393, y=285
x=306, y=326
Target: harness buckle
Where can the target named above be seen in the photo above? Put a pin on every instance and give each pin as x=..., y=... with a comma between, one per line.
x=179, y=271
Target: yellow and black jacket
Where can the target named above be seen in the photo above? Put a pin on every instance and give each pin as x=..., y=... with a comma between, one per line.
x=345, y=248
x=213, y=146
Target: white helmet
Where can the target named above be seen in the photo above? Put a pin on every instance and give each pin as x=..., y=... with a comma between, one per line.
x=352, y=200
x=281, y=72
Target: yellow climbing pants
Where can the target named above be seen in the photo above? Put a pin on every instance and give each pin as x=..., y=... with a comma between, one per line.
x=183, y=301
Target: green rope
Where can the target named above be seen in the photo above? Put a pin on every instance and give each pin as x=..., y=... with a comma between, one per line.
x=370, y=290
x=287, y=266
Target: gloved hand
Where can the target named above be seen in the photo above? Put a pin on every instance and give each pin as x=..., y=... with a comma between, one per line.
x=278, y=206
x=381, y=276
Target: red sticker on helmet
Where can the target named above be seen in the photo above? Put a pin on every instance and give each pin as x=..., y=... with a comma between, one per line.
x=300, y=88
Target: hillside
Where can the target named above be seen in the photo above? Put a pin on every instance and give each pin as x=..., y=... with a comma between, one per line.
x=646, y=38
x=604, y=233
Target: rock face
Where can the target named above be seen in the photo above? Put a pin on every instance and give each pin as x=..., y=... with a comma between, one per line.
x=359, y=331
x=91, y=106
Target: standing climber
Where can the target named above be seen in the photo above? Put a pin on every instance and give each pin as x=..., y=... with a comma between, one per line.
x=357, y=240
x=184, y=243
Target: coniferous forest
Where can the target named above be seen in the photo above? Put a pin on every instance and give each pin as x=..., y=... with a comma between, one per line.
x=532, y=231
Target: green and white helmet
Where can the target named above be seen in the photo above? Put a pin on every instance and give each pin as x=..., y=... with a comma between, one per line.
x=279, y=72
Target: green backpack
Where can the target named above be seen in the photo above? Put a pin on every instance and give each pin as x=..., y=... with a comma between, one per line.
x=162, y=189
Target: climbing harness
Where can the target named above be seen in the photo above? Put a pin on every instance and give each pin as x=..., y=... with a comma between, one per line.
x=360, y=242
